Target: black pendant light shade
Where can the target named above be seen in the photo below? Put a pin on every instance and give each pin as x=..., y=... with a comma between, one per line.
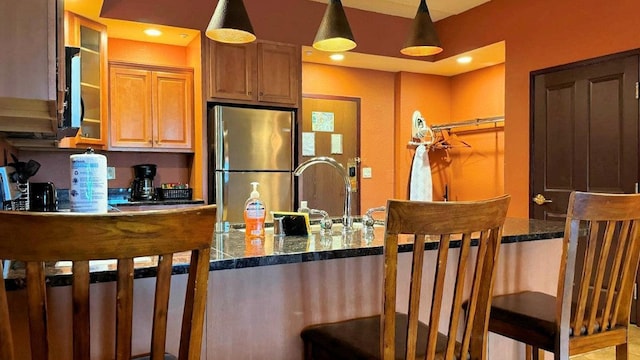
x=423, y=39
x=230, y=23
x=334, y=33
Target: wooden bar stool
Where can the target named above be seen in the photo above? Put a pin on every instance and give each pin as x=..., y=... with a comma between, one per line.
x=36, y=238
x=392, y=335
x=593, y=302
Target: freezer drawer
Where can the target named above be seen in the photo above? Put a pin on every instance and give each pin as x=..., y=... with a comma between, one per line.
x=233, y=189
x=253, y=139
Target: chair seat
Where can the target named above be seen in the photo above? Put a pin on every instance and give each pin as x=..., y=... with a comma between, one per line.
x=527, y=316
x=360, y=339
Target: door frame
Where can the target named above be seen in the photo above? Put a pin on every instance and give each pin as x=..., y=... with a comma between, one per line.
x=355, y=207
x=573, y=65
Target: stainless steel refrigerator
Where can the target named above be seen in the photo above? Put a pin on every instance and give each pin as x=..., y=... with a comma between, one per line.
x=247, y=145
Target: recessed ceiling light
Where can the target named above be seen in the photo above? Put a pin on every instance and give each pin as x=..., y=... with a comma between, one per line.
x=336, y=57
x=464, y=59
x=153, y=32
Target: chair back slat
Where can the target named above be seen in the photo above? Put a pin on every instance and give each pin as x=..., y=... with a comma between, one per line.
x=614, y=279
x=36, y=238
x=163, y=289
x=604, y=283
x=195, y=304
x=37, y=310
x=6, y=347
x=124, y=308
x=414, y=296
x=448, y=223
x=81, y=310
x=437, y=295
x=458, y=297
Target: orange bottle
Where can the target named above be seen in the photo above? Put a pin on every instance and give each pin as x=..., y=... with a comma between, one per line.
x=254, y=214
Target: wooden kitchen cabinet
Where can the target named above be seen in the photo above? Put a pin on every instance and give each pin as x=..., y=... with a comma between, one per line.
x=258, y=73
x=151, y=108
x=91, y=38
x=31, y=38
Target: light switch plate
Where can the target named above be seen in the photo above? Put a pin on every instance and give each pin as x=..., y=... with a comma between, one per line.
x=366, y=173
x=111, y=172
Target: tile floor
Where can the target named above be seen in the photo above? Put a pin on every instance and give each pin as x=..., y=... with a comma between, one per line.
x=609, y=353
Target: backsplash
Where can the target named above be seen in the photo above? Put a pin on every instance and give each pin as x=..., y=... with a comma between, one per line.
x=171, y=167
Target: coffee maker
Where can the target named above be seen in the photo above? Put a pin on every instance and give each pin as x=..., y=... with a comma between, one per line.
x=142, y=187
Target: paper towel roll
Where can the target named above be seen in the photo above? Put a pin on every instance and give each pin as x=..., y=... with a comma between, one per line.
x=89, y=190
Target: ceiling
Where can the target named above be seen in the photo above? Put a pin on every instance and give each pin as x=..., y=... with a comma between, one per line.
x=439, y=9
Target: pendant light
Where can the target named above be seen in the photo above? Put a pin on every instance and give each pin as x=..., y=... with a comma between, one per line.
x=423, y=39
x=230, y=23
x=334, y=33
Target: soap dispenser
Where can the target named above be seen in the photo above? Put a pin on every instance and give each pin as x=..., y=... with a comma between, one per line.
x=254, y=213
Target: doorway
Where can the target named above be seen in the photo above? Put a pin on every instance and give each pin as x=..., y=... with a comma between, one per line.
x=584, y=133
x=330, y=127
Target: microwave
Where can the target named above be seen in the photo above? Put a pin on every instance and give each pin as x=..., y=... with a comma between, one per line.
x=73, y=107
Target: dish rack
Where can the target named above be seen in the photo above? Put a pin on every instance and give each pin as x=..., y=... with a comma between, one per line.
x=175, y=194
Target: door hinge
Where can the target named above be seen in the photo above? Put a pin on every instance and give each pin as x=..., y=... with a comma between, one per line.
x=637, y=190
x=635, y=291
x=636, y=90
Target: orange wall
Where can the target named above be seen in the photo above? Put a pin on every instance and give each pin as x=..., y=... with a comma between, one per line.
x=376, y=91
x=538, y=34
x=388, y=101
x=477, y=172
x=147, y=53
x=431, y=95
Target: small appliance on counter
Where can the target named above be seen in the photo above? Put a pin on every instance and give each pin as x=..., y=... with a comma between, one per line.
x=142, y=185
x=14, y=180
x=43, y=197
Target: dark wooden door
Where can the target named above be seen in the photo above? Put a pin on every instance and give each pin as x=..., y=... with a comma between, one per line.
x=584, y=133
x=337, y=137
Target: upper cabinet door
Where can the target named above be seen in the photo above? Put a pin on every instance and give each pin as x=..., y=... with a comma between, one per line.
x=28, y=33
x=173, y=110
x=232, y=71
x=131, y=114
x=262, y=72
x=278, y=73
x=91, y=38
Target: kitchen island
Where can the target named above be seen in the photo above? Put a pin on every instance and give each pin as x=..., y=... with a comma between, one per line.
x=263, y=292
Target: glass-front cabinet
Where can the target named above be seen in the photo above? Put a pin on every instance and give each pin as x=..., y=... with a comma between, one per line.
x=91, y=38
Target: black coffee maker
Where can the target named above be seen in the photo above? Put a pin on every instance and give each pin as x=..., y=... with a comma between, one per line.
x=142, y=187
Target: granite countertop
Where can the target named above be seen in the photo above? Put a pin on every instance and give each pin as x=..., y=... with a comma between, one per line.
x=232, y=251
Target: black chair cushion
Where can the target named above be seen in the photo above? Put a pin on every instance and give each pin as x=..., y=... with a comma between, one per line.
x=360, y=339
x=527, y=316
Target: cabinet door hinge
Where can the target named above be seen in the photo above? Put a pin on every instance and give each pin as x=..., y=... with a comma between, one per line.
x=637, y=190
x=636, y=90
x=635, y=291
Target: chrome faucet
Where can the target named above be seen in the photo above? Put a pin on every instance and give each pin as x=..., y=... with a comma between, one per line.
x=347, y=221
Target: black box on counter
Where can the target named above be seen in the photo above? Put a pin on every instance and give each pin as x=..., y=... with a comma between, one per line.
x=174, y=194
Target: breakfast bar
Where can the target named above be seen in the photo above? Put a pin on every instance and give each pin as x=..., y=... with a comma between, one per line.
x=263, y=292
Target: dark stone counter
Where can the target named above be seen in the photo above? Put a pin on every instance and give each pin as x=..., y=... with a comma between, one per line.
x=232, y=251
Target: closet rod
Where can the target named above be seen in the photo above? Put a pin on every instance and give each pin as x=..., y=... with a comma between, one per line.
x=449, y=126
